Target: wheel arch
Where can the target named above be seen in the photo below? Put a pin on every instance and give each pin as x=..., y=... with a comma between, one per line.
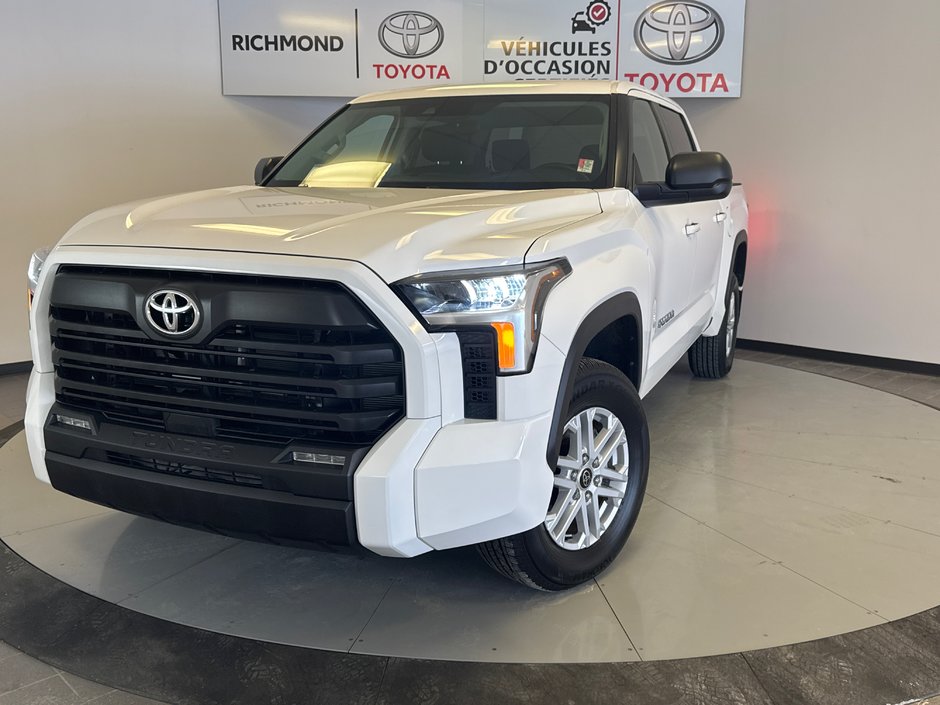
x=739, y=256
x=612, y=332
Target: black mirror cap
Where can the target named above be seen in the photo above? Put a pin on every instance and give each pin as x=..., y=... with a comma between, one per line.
x=705, y=174
x=264, y=167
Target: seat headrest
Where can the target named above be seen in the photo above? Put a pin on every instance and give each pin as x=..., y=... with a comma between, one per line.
x=448, y=144
x=590, y=151
x=510, y=155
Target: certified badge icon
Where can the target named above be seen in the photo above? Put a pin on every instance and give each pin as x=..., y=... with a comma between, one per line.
x=411, y=35
x=172, y=313
x=679, y=32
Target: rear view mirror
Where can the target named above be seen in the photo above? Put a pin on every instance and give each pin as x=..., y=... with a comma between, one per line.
x=705, y=175
x=264, y=168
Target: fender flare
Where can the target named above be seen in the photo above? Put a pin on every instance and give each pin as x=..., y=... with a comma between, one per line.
x=624, y=304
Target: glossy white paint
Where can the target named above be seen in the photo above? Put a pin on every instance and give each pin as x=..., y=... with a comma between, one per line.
x=593, y=87
x=395, y=232
x=436, y=480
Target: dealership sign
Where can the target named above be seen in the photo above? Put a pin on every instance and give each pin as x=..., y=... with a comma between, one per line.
x=320, y=47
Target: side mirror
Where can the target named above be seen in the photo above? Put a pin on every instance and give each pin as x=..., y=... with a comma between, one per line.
x=264, y=168
x=706, y=176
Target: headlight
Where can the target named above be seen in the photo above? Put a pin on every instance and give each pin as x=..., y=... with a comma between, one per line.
x=507, y=300
x=35, y=269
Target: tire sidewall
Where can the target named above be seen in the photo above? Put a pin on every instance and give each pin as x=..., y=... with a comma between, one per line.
x=614, y=393
x=732, y=293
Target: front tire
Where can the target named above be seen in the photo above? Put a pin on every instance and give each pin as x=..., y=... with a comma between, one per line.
x=712, y=357
x=600, y=481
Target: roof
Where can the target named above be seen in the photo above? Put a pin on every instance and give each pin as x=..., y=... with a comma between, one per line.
x=517, y=88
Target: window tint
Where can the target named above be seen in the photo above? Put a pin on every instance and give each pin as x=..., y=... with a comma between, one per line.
x=368, y=138
x=511, y=142
x=677, y=133
x=649, y=152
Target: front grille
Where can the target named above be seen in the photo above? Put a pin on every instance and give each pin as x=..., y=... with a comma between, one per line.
x=170, y=467
x=280, y=360
x=478, y=355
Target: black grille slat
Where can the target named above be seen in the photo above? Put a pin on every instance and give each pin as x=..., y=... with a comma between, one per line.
x=327, y=372
x=313, y=386
x=73, y=335
x=188, y=470
x=231, y=427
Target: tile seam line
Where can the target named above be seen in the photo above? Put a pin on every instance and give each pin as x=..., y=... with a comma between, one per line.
x=847, y=381
x=391, y=584
x=65, y=680
x=3, y=537
x=680, y=468
x=378, y=688
x=745, y=451
x=31, y=684
x=617, y=617
x=763, y=686
x=775, y=561
x=176, y=574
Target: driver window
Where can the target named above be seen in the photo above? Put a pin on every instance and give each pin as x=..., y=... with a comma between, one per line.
x=649, y=151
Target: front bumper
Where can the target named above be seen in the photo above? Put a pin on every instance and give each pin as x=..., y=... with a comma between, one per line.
x=434, y=481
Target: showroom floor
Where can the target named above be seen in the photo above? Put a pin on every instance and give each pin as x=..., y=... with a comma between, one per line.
x=794, y=525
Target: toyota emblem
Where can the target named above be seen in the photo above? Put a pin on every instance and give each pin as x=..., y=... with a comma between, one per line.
x=411, y=35
x=679, y=32
x=172, y=313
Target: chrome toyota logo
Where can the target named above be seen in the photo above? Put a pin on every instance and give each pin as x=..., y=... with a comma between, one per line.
x=679, y=32
x=172, y=312
x=411, y=35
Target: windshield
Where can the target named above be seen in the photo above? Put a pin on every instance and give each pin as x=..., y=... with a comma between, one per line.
x=472, y=142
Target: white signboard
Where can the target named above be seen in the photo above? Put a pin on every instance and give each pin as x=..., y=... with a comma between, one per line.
x=321, y=47
x=683, y=49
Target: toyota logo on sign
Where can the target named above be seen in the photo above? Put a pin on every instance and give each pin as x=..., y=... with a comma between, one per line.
x=679, y=32
x=172, y=313
x=411, y=35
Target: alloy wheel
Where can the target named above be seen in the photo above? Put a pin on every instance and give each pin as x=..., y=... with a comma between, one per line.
x=590, y=479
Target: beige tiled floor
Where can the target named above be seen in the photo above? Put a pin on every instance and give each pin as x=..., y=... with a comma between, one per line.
x=774, y=473
x=781, y=508
x=23, y=679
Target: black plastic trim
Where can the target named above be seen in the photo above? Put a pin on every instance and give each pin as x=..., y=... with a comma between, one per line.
x=479, y=337
x=739, y=239
x=237, y=489
x=271, y=463
x=15, y=368
x=230, y=510
x=619, y=306
x=882, y=363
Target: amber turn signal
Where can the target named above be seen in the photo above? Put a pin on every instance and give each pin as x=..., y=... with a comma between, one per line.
x=505, y=345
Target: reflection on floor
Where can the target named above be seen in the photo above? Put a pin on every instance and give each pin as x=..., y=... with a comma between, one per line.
x=781, y=508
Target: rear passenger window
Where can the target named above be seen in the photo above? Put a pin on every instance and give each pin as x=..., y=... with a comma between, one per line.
x=677, y=132
x=649, y=151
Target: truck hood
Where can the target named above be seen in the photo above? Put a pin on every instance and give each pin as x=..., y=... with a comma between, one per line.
x=395, y=232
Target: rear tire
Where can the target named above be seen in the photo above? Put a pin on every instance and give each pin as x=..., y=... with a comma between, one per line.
x=604, y=459
x=712, y=357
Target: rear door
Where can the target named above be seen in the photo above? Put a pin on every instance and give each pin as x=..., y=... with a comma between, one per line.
x=710, y=215
x=673, y=244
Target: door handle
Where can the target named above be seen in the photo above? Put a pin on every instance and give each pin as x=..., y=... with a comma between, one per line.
x=692, y=228
x=721, y=217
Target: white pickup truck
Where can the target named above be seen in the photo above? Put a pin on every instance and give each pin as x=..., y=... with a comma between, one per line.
x=429, y=326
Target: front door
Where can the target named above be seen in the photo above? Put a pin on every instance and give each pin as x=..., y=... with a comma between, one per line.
x=676, y=225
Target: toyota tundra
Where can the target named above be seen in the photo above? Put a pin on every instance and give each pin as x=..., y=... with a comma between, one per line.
x=430, y=325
